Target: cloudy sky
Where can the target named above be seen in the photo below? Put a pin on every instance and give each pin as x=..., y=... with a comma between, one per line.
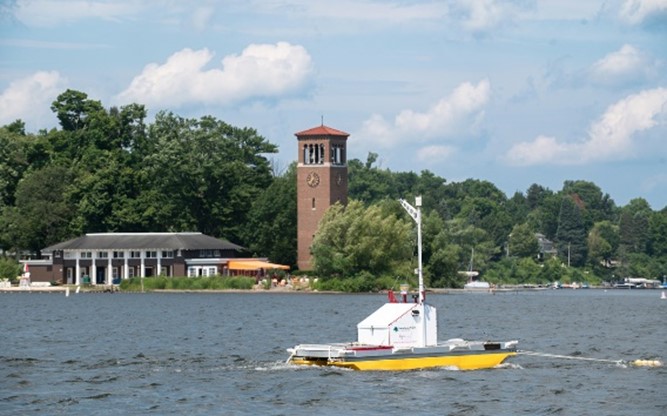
x=514, y=92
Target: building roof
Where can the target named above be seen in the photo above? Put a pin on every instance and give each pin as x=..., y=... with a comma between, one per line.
x=322, y=131
x=132, y=241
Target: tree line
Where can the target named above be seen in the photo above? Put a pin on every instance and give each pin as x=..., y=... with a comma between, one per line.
x=109, y=170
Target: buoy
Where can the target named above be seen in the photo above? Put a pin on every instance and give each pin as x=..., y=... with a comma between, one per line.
x=67, y=291
x=77, y=289
x=663, y=295
x=646, y=363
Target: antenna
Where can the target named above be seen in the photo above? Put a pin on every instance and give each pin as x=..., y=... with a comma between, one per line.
x=415, y=213
x=322, y=119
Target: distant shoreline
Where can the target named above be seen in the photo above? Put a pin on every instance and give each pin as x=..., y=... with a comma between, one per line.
x=437, y=291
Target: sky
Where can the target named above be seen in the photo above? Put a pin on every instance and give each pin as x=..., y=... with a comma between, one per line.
x=514, y=92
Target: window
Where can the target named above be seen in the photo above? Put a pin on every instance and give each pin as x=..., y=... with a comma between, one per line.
x=313, y=154
x=86, y=255
x=103, y=255
x=192, y=272
x=337, y=155
x=313, y=203
x=69, y=255
x=130, y=271
x=151, y=254
x=135, y=254
x=118, y=254
x=209, y=253
x=169, y=254
x=115, y=273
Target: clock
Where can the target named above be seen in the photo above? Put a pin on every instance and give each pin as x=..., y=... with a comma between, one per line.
x=313, y=179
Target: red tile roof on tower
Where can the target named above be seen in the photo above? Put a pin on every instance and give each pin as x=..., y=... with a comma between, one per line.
x=322, y=130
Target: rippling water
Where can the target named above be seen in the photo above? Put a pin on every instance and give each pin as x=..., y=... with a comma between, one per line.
x=224, y=354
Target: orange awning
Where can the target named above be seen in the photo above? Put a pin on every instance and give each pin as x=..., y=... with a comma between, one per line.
x=254, y=265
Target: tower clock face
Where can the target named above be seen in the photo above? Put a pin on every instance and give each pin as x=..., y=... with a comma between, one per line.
x=313, y=179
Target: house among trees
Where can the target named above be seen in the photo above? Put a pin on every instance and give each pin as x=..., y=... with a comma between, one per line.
x=106, y=258
x=546, y=247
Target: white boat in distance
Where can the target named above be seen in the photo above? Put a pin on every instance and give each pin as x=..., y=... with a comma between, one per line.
x=471, y=275
x=477, y=284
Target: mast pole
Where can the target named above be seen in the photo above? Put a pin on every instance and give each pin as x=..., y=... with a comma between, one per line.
x=418, y=203
x=416, y=215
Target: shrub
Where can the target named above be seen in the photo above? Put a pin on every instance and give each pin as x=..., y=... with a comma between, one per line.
x=187, y=283
x=9, y=269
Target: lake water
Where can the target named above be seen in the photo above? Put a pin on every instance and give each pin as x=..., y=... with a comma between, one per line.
x=224, y=354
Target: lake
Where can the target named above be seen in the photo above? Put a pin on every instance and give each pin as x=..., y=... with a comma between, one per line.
x=224, y=354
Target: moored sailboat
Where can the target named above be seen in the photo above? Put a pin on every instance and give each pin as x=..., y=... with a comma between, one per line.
x=472, y=281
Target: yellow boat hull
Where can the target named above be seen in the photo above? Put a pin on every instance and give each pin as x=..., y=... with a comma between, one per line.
x=467, y=361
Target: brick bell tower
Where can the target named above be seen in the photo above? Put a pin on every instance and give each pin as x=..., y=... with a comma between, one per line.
x=321, y=182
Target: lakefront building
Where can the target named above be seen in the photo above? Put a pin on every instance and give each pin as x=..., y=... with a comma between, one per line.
x=321, y=182
x=106, y=258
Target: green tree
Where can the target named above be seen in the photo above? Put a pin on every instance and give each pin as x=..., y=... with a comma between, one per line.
x=448, y=248
x=13, y=163
x=633, y=229
x=571, y=234
x=272, y=219
x=517, y=208
x=73, y=109
x=544, y=217
x=535, y=196
x=595, y=205
x=552, y=270
x=356, y=239
x=203, y=175
x=634, y=226
x=658, y=233
x=602, y=243
x=368, y=183
x=41, y=215
x=523, y=242
x=9, y=268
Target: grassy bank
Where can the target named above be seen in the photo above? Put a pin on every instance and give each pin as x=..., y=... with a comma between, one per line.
x=187, y=283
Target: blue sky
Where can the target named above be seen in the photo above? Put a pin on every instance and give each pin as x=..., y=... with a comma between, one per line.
x=514, y=92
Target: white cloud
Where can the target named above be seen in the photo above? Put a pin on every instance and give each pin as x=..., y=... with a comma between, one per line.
x=458, y=113
x=481, y=14
x=626, y=65
x=260, y=71
x=484, y=15
x=641, y=11
x=435, y=154
x=625, y=60
x=30, y=98
x=609, y=138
